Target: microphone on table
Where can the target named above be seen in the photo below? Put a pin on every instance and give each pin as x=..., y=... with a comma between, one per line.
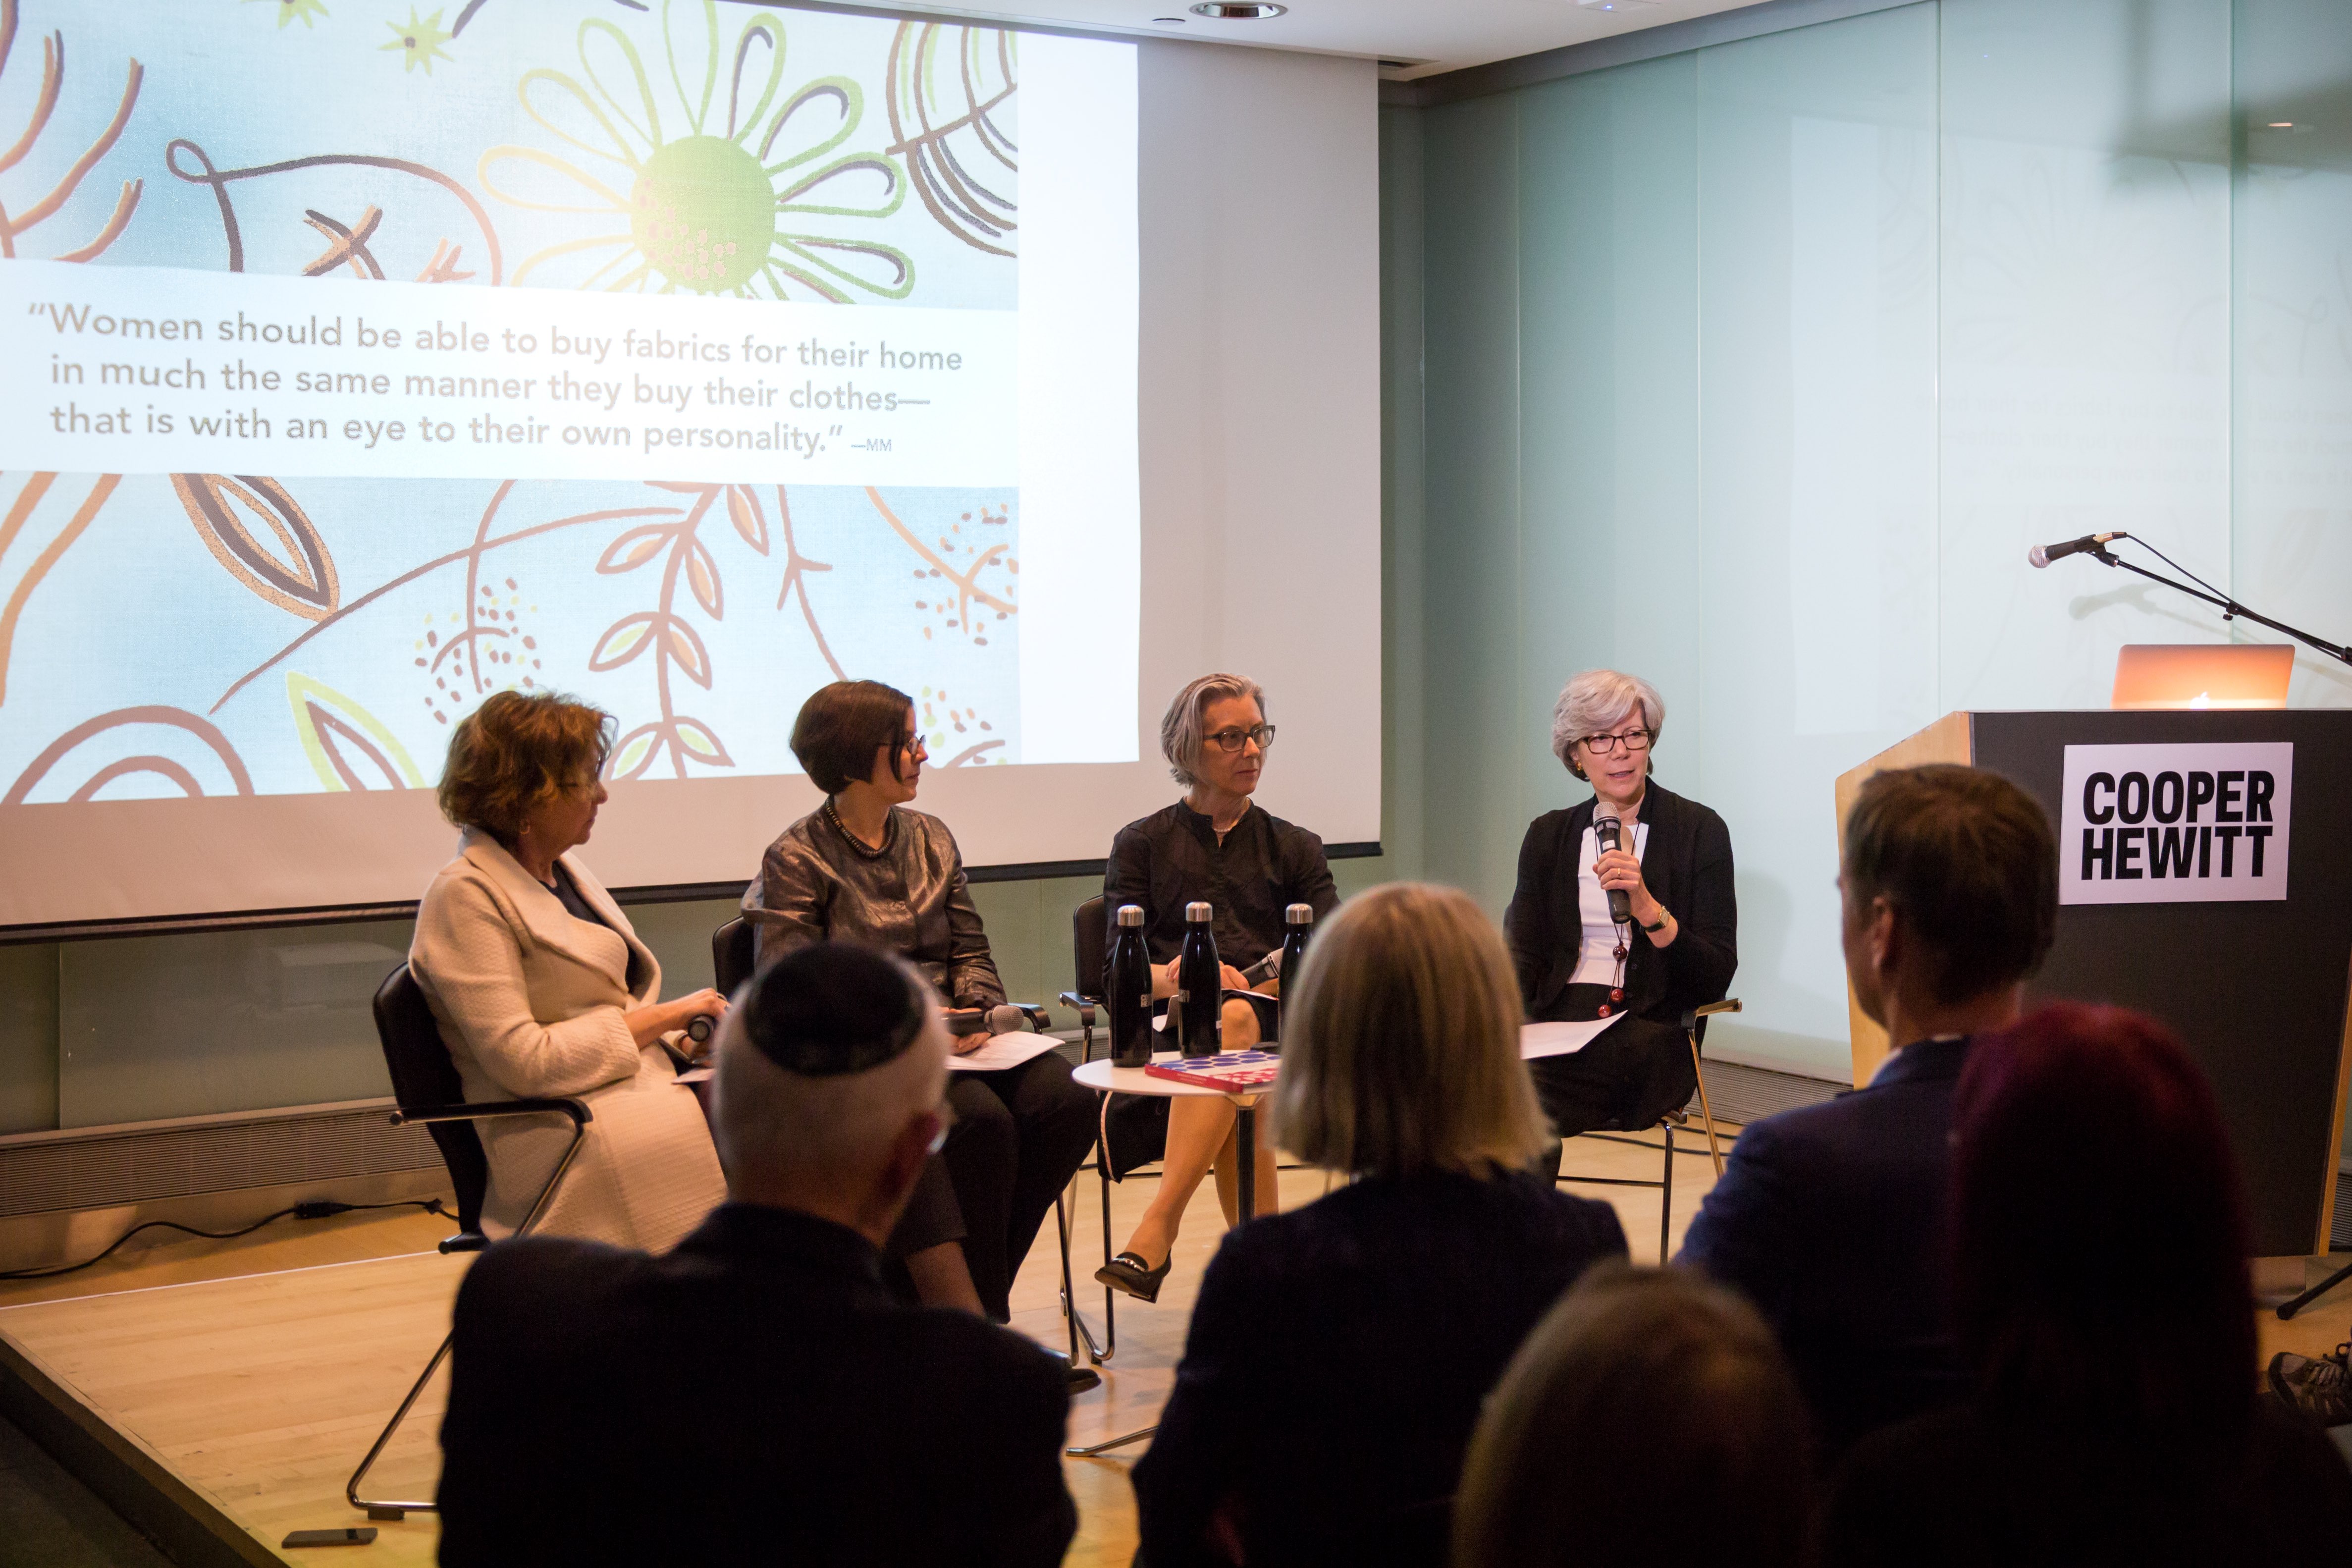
x=1611, y=834
x=2044, y=555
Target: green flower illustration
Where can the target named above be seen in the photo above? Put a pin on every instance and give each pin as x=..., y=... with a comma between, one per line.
x=419, y=42
x=701, y=188
x=309, y=11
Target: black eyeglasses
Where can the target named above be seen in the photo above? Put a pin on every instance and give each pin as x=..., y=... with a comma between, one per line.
x=1632, y=740
x=913, y=743
x=1234, y=740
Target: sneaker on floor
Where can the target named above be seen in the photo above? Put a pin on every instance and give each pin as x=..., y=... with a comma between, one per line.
x=2317, y=1387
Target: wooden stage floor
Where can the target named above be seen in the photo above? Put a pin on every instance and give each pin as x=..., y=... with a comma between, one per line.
x=251, y=1376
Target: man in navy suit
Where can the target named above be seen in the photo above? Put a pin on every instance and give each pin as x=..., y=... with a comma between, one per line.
x=1831, y=1219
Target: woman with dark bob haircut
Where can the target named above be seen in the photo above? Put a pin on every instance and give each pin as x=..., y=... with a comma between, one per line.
x=542, y=989
x=863, y=867
x=2100, y=1298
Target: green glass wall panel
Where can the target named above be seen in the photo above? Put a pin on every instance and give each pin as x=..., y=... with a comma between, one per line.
x=28, y=1037
x=2086, y=332
x=1476, y=721
x=1773, y=358
x=1814, y=589
x=2292, y=326
x=1608, y=412
x=157, y=1026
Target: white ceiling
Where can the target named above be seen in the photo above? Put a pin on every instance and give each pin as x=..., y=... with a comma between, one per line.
x=1435, y=35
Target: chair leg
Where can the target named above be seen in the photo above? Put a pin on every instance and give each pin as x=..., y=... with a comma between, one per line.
x=1706, y=1111
x=387, y=1510
x=392, y=1510
x=1666, y=1193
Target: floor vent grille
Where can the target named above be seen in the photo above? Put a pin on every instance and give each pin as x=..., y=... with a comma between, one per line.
x=107, y=1169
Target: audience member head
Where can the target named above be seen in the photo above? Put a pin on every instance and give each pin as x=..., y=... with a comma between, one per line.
x=1400, y=1042
x=1215, y=732
x=859, y=732
x=1950, y=893
x=524, y=765
x=2099, y=1240
x=1603, y=702
x=1649, y=1407
x=832, y=1068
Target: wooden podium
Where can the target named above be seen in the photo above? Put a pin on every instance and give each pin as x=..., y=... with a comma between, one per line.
x=2258, y=985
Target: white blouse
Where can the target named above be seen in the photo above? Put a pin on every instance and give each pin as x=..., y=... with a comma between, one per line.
x=1596, y=961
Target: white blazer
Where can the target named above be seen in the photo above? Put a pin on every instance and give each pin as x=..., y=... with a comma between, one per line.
x=530, y=1000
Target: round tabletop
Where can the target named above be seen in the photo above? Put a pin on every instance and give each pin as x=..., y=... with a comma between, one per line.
x=1100, y=1074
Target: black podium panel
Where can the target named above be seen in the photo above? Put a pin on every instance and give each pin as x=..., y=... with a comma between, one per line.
x=2258, y=991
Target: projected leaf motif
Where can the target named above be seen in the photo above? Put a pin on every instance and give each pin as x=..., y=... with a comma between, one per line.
x=298, y=576
x=15, y=218
x=349, y=748
x=175, y=771
x=956, y=162
x=20, y=512
x=687, y=192
x=623, y=641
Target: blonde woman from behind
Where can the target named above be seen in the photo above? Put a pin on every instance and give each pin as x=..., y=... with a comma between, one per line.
x=1337, y=1352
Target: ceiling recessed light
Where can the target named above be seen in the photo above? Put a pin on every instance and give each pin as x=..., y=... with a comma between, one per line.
x=1239, y=10
x=1167, y=21
x=2282, y=125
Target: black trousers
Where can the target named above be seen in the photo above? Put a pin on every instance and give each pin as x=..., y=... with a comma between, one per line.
x=1020, y=1136
x=1630, y=1076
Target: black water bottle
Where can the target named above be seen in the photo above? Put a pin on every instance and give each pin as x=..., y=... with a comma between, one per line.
x=1200, y=985
x=1127, y=988
x=1298, y=925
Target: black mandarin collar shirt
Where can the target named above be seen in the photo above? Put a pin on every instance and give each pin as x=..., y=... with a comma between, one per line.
x=1172, y=857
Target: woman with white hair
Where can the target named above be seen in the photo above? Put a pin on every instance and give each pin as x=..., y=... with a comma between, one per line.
x=1213, y=847
x=1676, y=947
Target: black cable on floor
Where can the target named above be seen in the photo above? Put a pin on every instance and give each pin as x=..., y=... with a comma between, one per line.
x=317, y=1209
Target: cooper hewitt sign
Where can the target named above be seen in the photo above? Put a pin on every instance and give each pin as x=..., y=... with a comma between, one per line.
x=2175, y=824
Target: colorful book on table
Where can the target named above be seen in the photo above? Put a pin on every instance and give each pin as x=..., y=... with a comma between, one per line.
x=1229, y=1072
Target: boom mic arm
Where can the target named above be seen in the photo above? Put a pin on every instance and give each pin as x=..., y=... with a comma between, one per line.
x=2095, y=545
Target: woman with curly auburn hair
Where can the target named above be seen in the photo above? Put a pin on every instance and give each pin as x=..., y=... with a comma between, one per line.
x=542, y=989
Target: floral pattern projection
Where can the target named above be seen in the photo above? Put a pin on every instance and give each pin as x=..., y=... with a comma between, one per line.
x=204, y=633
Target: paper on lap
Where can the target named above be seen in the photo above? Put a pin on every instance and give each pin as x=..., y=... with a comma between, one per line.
x=1560, y=1039
x=1001, y=1051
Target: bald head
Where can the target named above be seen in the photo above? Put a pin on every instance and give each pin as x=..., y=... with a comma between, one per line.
x=832, y=1066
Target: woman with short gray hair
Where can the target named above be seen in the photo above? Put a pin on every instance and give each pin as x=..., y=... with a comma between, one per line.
x=1648, y=927
x=1214, y=847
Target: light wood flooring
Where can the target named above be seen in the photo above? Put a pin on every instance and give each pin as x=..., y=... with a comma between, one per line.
x=257, y=1372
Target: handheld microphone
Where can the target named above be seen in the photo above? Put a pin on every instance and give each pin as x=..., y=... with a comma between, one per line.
x=697, y=1028
x=1611, y=834
x=2044, y=555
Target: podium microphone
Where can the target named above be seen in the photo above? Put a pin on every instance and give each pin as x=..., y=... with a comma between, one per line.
x=1610, y=834
x=2044, y=555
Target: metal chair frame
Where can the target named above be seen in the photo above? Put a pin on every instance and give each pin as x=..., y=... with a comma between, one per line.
x=1693, y=1026
x=470, y=1239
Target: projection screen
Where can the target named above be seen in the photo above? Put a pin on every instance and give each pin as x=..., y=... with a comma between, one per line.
x=681, y=358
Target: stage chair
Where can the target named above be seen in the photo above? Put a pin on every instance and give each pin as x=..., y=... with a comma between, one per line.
x=732, y=949
x=424, y=1084
x=732, y=946
x=1694, y=1025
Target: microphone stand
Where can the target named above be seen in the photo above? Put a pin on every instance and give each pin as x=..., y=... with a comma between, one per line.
x=2231, y=609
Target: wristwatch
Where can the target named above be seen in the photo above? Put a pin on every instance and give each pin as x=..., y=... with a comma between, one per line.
x=1664, y=916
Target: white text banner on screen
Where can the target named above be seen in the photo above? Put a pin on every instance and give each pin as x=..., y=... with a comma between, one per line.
x=138, y=370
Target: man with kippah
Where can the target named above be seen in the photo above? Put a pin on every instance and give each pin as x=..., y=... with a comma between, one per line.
x=757, y=1395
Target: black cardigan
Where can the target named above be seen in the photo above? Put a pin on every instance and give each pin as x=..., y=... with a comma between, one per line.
x=1687, y=865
